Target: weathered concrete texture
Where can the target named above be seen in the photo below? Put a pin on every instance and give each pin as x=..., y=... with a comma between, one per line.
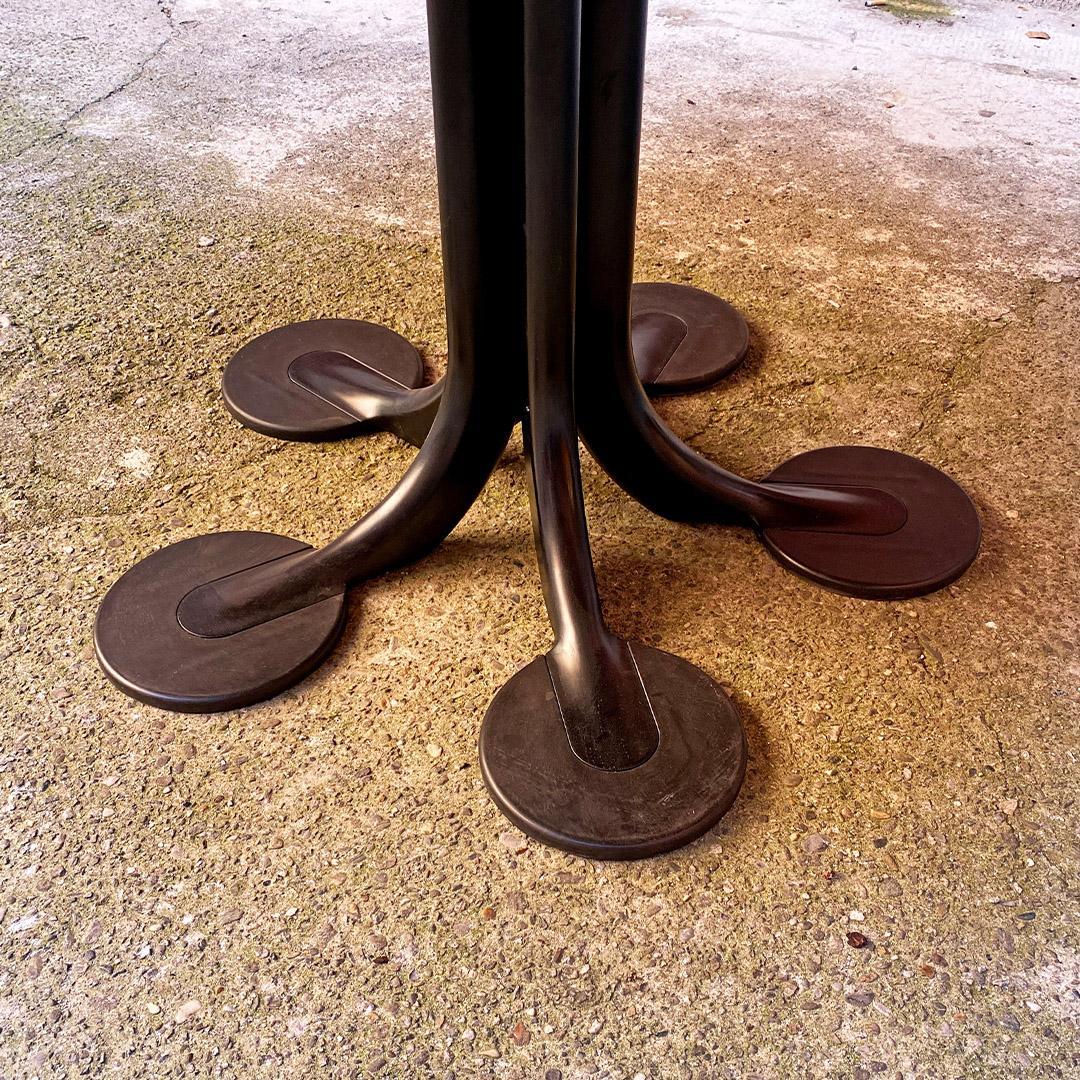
x=319, y=885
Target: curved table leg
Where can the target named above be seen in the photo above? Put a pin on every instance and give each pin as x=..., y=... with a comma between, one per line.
x=863, y=521
x=602, y=747
x=228, y=619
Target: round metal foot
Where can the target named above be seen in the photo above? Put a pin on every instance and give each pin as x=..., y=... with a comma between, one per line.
x=675, y=796
x=935, y=545
x=260, y=385
x=684, y=338
x=150, y=656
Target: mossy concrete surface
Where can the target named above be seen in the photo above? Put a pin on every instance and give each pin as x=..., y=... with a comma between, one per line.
x=319, y=885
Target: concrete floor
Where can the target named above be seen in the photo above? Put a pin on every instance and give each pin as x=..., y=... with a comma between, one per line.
x=319, y=885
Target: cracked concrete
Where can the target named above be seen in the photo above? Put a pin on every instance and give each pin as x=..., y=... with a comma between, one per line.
x=320, y=884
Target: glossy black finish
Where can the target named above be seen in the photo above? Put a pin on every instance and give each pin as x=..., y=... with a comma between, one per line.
x=334, y=378
x=603, y=703
x=478, y=123
x=632, y=443
x=478, y=138
x=600, y=747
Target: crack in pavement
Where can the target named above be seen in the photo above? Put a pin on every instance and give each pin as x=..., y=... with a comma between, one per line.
x=65, y=134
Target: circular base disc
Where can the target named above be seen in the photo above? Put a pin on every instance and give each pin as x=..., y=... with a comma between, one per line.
x=678, y=794
x=150, y=656
x=259, y=393
x=684, y=338
x=936, y=544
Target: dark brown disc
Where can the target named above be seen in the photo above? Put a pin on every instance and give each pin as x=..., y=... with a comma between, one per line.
x=147, y=653
x=935, y=545
x=678, y=794
x=259, y=392
x=684, y=338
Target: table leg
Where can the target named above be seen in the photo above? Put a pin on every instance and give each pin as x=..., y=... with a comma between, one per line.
x=867, y=522
x=224, y=620
x=604, y=747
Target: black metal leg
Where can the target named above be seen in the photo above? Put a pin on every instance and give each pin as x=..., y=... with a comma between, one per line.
x=602, y=747
x=222, y=621
x=864, y=521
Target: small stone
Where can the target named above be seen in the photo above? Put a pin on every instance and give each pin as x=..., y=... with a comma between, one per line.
x=434, y=749
x=1038, y=35
x=857, y=940
x=231, y=915
x=814, y=844
x=856, y=916
x=187, y=1011
x=521, y=1034
x=989, y=112
x=517, y=842
x=487, y=913
x=153, y=1008
x=553, y=1074
x=861, y=998
x=33, y=967
x=206, y=241
x=595, y=1026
